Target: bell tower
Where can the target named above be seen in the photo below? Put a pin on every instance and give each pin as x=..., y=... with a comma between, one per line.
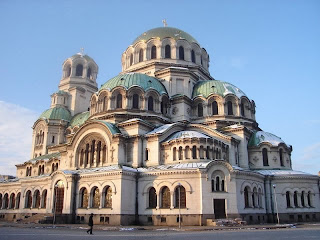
x=79, y=74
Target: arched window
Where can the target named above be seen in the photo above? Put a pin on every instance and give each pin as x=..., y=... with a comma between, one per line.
x=167, y=51
x=28, y=202
x=230, y=108
x=254, y=197
x=180, y=153
x=295, y=199
x=194, y=152
x=98, y=157
x=79, y=70
x=187, y=152
x=0, y=200
x=259, y=198
x=153, y=52
x=309, y=197
x=302, y=199
x=57, y=166
x=242, y=109
x=95, y=197
x=181, y=53
x=212, y=185
x=5, y=201
x=165, y=198
x=201, y=152
x=180, y=190
x=68, y=71
x=150, y=103
x=108, y=197
x=288, y=199
x=18, y=201
x=140, y=55
x=119, y=101
x=83, y=198
x=208, y=152
x=37, y=199
x=200, y=110
x=86, y=155
x=135, y=101
x=217, y=183
x=131, y=59
x=152, y=198
x=89, y=73
x=214, y=108
x=265, y=157
x=44, y=199
x=281, y=157
x=246, y=197
x=193, y=56
x=174, y=154
x=12, y=201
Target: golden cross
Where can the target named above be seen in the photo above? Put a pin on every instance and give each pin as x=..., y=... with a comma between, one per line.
x=164, y=21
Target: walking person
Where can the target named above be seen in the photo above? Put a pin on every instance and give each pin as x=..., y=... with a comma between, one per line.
x=90, y=224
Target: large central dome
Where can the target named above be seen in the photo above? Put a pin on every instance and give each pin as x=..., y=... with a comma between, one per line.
x=165, y=32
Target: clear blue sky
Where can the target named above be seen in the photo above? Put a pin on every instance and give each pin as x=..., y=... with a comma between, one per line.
x=269, y=49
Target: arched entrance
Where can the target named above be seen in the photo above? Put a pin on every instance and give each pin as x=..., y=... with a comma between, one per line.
x=58, y=197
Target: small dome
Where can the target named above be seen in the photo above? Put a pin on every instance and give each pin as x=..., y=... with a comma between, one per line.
x=186, y=134
x=56, y=113
x=129, y=80
x=165, y=32
x=81, y=55
x=207, y=87
x=264, y=137
x=79, y=119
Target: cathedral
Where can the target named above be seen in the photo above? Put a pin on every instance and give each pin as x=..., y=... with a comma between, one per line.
x=161, y=143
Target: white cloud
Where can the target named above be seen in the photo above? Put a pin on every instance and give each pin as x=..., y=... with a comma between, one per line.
x=15, y=136
x=308, y=160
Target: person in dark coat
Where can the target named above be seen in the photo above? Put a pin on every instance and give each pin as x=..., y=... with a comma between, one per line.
x=90, y=224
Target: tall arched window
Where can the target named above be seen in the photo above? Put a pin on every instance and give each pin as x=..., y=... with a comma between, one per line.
x=167, y=51
x=181, y=53
x=153, y=52
x=18, y=200
x=150, y=103
x=295, y=199
x=187, y=152
x=194, y=152
x=37, y=199
x=265, y=157
x=6, y=201
x=68, y=71
x=152, y=198
x=288, y=199
x=254, y=197
x=180, y=190
x=131, y=59
x=230, y=108
x=208, y=152
x=140, y=55
x=108, y=197
x=98, y=156
x=214, y=108
x=242, y=110
x=217, y=183
x=246, y=197
x=79, y=70
x=174, y=154
x=89, y=74
x=44, y=199
x=309, y=197
x=119, y=101
x=135, y=101
x=281, y=157
x=0, y=200
x=200, y=110
x=95, y=197
x=165, y=198
x=12, y=201
x=193, y=56
x=28, y=202
x=302, y=199
x=180, y=153
x=201, y=152
x=83, y=198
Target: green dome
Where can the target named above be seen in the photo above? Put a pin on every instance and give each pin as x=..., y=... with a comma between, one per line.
x=165, y=32
x=79, y=119
x=264, y=137
x=56, y=113
x=129, y=80
x=205, y=88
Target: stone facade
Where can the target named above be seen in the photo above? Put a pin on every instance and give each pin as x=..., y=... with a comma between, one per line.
x=161, y=139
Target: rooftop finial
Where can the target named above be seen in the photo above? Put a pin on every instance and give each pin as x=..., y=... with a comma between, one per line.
x=164, y=21
x=81, y=51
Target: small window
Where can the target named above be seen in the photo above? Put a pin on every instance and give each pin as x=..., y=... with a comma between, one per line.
x=150, y=103
x=152, y=198
x=181, y=53
x=141, y=55
x=214, y=108
x=194, y=152
x=153, y=52
x=119, y=101
x=167, y=51
x=174, y=153
x=79, y=70
x=131, y=59
x=200, y=110
x=52, y=139
x=288, y=199
x=242, y=109
x=265, y=157
x=281, y=157
x=135, y=101
x=68, y=71
x=89, y=73
x=230, y=108
x=193, y=56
